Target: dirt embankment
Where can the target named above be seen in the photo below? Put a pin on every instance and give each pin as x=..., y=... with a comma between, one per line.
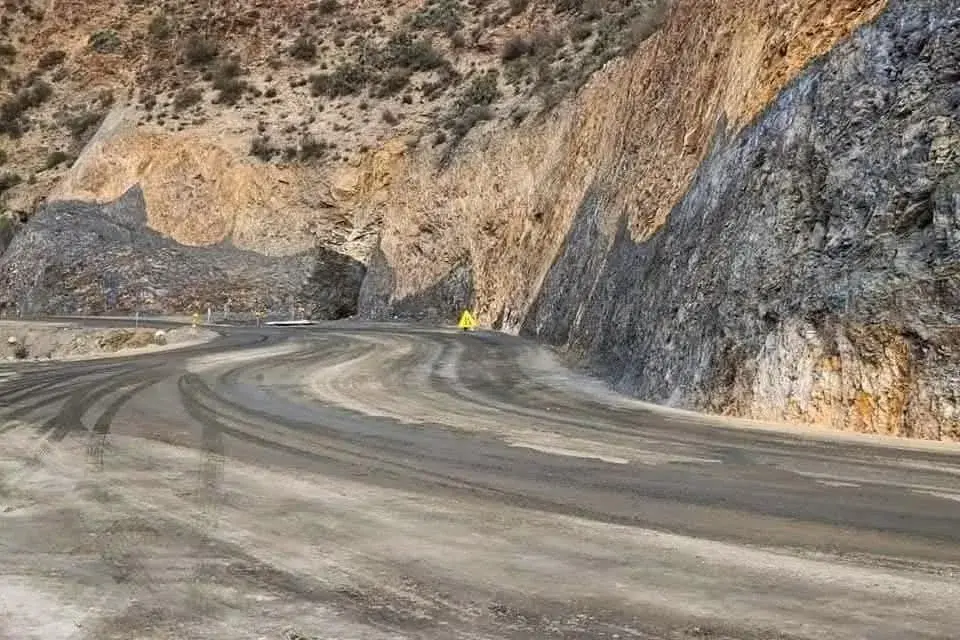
x=66, y=341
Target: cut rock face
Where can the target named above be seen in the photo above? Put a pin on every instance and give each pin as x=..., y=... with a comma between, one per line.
x=77, y=257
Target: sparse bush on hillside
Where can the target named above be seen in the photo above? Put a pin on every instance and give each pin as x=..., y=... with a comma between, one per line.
x=389, y=117
x=8, y=53
x=311, y=148
x=186, y=98
x=516, y=47
x=347, y=79
x=106, y=98
x=543, y=45
x=84, y=125
x=13, y=109
x=483, y=90
x=9, y=180
x=55, y=159
x=198, y=51
x=303, y=48
x=261, y=148
x=160, y=27
x=51, y=59
x=580, y=31
x=227, y=82
x=443, y=15
x=105, y=41
x=404, y=51
x=328, y=6
x=462, y=125
x=518, y=6
x=394, y=82
x=148, y=100
x=230, y=90
x=472, y=107
x=3, y=157
x=568, y=6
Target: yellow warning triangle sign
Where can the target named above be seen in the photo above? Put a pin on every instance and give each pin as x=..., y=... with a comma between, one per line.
x=467, y=321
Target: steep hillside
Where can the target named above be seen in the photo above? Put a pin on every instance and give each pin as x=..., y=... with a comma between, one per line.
x=700, y=245
x=643, y=125
x=263, y=123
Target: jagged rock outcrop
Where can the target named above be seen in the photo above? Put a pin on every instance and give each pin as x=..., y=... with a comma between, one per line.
x=81, y=257
x=810, y=272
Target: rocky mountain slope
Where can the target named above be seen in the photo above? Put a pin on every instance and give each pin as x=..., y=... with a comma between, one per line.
x=724, y=221
x=748, y=208
x=265, y=122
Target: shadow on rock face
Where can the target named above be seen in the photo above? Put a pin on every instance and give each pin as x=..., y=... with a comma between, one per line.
x=442, y=302
x=333, y=289
x=83, y=257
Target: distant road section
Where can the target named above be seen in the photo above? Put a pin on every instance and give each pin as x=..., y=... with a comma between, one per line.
x=373, y=481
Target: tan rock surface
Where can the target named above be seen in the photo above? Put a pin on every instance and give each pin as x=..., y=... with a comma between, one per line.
x=637, y=133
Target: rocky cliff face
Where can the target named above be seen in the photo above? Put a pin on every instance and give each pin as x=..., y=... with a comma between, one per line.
x=77, y=257
x=810, y=269
x=643, y=124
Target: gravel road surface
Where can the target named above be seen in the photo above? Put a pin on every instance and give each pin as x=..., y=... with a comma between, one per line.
x=389, y=481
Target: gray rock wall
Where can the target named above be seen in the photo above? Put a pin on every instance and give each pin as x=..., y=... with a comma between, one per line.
x=78, y=257
x=813, y=270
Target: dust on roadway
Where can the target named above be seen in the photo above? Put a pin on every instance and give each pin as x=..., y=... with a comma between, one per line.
x=373, y=482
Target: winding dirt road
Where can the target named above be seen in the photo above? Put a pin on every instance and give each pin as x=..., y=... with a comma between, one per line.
x=365, y=481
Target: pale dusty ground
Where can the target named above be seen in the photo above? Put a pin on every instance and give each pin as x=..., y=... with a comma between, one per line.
x=135, y=539
x=351, y=383
x=66, y=341
x=136, y=549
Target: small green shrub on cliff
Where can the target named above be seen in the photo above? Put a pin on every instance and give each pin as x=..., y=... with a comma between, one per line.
x=160, y=27
x=347, y=79
x=186, y=98
x=13, y=109
x=328, y=6
x=518, y=6
x=303, y=48
x=105, y=41
x=8, y=53
x=404, y=51
x=198, y=51
x=227, y=81
x=51, y=59
x=55, y=159
x=9, y=180
x=482, y=90
x=443, y=15
x=83, y=125
x=515, y=47
x=261, y=148
x=311, y=148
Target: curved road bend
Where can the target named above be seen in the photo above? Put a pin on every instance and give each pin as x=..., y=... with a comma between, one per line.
x=392, y=481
